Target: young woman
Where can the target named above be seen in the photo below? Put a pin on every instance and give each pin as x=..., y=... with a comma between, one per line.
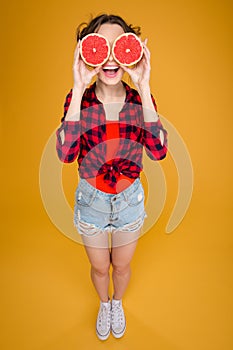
x=106, y=124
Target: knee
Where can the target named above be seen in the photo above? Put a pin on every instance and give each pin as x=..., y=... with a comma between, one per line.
x=101, y=270
x=121, y=269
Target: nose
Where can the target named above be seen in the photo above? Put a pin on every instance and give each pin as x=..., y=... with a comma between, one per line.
x=110, y=58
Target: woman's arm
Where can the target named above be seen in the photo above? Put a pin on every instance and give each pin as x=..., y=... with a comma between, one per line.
x=154, y=135
x=68, y=134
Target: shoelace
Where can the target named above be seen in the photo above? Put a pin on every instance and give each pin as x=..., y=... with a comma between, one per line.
x=117, y=315
x=104, y=318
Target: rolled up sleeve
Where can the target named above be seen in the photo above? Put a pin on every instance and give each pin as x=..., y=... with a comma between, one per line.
x=68, y=141
x=155, y=140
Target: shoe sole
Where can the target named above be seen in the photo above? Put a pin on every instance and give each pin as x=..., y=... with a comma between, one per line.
x=118, y=335
x=102, y=337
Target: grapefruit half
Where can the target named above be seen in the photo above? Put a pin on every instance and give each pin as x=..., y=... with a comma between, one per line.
x=127, y=49
x=94, y=49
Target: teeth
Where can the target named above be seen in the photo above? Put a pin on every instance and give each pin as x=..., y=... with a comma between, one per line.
x=110, y=68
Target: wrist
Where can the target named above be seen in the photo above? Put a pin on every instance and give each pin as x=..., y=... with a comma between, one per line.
x=78, y=89
x=149, y=111
x=144, y=91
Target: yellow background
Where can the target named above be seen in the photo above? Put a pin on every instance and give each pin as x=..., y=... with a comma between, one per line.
x=180, y=294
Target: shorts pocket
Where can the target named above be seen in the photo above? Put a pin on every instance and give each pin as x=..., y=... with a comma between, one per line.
x=137, y=197
x=83, y=198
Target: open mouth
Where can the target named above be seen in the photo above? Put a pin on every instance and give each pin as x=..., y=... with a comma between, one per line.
x=110, y=70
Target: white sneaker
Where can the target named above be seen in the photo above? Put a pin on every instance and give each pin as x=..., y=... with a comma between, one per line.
x=103, y=322
x=118, y=323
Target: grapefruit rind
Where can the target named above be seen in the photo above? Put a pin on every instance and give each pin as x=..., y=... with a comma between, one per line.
x=128, y=46
x=91, y=55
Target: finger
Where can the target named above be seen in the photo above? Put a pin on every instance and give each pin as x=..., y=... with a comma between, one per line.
x=126, y=69
x=147, y=54
x=145, y=42
x=77, y=48
x=82, y=64
x=77, y=52
x=96, y=70
x=146, y=49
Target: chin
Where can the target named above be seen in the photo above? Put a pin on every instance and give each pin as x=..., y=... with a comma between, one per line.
x=111, y=82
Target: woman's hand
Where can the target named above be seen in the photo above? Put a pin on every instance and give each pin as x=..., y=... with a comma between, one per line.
x=82, y=78
x=140, y=74
x=81, y=73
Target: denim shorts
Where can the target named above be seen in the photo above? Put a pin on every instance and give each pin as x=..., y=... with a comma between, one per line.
x=96, y=211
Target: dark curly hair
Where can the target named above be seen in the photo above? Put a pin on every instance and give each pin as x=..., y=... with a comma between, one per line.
x=94, y=24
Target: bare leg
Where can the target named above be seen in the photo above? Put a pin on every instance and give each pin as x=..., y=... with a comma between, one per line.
x=99, y=256
x=121, y=256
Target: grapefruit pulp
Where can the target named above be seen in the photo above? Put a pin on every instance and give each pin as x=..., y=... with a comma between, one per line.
x=94, y=49
x=127, y=49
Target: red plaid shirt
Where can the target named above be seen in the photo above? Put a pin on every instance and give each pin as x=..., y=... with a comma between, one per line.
x=85, y=138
